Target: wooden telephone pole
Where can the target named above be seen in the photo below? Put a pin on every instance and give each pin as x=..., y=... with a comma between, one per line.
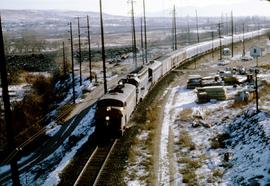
x=64, y=60
x=80, y=50
x=197, y=26
x=103, y=47
x=244, y=48
x=145, y=34
x=220, y=43
x=8, y=117
x=174, y=35
x=232, y=27
x=134, y=47
x=89, y=49
x=142, y=45
x=72, y=63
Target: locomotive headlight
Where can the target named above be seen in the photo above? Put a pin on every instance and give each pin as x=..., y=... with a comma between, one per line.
x=109, y=108
x=107, y=118
x=121, y=108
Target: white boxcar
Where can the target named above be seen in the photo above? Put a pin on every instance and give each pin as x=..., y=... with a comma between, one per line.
x=154, y=72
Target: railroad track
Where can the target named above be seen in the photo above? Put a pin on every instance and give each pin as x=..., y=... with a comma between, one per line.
x=95, y=165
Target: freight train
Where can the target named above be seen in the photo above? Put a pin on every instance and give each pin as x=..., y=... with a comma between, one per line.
x=114, y=109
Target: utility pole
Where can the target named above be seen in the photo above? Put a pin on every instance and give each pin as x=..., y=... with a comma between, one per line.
x=142, y=49
x=80, y=51
x=64, y=60
x=197, y=26
x=256, y=86
x=174, y=29
x=145, y=34
x=220, y=44
x=133, y=35
x=212, y=35
x=244, y=48
x=232, y=31
x=8, y=117
x=188, y=29
x=89, y=49
x=103, y=47
x=72, y=63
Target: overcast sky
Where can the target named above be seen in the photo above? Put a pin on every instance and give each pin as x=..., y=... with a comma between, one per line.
x=121, y=7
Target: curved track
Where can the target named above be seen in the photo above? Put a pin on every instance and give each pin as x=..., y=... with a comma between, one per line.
x=95, y=165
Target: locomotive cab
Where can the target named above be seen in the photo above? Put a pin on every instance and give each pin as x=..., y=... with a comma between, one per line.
x=114, y=110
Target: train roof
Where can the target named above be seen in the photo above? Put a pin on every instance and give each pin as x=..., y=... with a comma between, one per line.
x=162, y=58
x=140, y=71
x=120, y=93
x=154, y=65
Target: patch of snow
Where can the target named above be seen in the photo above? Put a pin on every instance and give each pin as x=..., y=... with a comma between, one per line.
x=52, y=129
x=4, y=168
x=250, y=146
x=84, y=128
x=137, y=165
x=164, y=170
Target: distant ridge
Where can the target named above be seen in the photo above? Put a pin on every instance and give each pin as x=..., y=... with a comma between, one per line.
x=29, y=14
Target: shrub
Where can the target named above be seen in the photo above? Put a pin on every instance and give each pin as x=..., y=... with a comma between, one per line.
x=185, y=115
x=186, y=141
x=219, y=141
x=217, y=172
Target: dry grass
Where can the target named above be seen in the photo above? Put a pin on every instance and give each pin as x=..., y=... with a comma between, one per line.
x=218, y=172
x=190, y=163
x=63, y=112
x=264, y=91
x=189, y=177
x=151, y=114
x=185, y=140
x=132, y=154
x=185, y=115
x=265, y=66
x=239, y=104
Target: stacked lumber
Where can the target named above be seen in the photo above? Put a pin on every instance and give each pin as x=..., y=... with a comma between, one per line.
x=211, y=81
x=205, y=94
x=194, y=81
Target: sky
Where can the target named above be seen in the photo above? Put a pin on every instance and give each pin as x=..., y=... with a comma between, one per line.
x=122, y=7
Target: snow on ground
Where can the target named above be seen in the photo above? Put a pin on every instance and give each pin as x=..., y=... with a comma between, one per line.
x=52, y=129
x=181, y=99
x=198, y=158
x=138, y=159
x=86, y=85
x=164, y=170
x=250, y=150
x=47, y=171
x=84, y=130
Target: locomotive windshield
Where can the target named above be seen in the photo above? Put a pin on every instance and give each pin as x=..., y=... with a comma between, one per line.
x=110, y=102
